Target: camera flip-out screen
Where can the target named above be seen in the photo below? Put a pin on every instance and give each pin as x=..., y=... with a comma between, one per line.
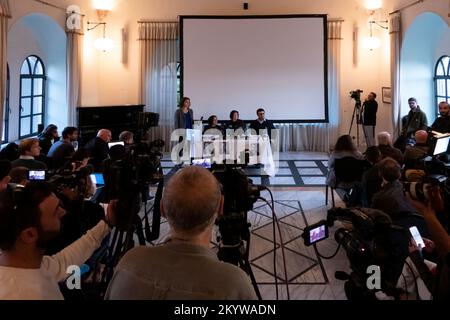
x=315, y=233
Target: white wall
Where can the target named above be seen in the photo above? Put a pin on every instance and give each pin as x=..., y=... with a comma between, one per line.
x=38, y=34
x=418, y=60
x=106, y=81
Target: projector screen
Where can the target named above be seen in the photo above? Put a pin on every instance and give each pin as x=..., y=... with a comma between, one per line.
x=278, y=63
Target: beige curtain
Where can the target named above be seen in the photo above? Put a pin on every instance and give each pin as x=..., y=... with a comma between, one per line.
x=158, y=74
x=5, y=14
x=74, y=71
x=395, y=36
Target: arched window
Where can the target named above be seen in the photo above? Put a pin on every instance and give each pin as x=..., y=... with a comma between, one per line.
x=32, y=96
x=6, y=108
x=442, y=80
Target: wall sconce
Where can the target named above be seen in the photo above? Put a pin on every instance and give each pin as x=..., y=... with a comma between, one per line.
x=102, y=44
x=373, y=5
x=103, y=7
x=372, y=42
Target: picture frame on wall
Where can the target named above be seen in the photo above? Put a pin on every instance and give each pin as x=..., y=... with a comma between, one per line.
x=386, y=95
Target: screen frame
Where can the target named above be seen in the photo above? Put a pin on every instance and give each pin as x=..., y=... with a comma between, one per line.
x=324, y=17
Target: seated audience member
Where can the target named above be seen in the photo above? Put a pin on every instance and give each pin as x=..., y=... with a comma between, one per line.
x=28, y=149
x=127, y=138
x=19, y=176
x=371, y=180
x=62, y=150
x=98, y=148
x=344, y=148
x=261, y=123
x=442, y=124
x=29, y=220
x=386, y=148
x=235, y=123
x=391, y=198
x=437, y=281
x=10, y=152
x=79, y=159
x=185, y=267
x=5, y=168
x=213, y=124
x=47, y=138
x=414, y=154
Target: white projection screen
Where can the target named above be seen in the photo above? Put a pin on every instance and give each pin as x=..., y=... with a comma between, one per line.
x=278, y=63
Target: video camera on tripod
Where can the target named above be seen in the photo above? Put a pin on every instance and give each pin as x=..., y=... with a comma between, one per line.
x=240, y=194
x=357, y=112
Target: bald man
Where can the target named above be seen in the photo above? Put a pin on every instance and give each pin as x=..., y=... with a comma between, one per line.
x=415, y=154
x=442, y=124
x=185, y=267
x=98, y=149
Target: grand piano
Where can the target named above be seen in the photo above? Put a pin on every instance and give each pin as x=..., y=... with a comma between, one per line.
x=114, y=118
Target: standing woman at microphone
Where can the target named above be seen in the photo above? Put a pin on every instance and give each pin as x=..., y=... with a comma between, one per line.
x=184, y=116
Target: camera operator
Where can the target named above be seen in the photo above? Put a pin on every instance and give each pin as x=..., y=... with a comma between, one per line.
x=437, y=282
x=442, y=123
x=369, y=115
x=29, y=220
x=185, y=267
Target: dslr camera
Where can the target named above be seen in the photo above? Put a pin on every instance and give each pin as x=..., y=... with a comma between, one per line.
x=419, y=190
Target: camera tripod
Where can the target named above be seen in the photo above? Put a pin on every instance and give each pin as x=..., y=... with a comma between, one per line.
x=358, y=115
x=234, y=246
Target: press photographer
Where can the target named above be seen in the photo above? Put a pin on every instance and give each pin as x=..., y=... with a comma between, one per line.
x=30, y=218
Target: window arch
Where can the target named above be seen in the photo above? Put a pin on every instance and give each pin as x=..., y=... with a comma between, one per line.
x=442, y=80
x=32, y=96
x=6, y=108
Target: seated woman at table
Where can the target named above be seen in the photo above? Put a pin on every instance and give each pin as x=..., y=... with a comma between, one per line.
x=235, y=123
x=213, y=123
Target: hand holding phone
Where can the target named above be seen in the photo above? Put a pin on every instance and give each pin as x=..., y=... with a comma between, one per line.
x=417, y=237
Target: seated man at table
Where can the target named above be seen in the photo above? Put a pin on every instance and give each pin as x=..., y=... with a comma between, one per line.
x=262, y=123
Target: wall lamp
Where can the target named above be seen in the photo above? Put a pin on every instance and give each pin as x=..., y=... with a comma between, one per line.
x=102, y=44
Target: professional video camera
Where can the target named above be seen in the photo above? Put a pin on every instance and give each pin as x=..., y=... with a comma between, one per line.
x=356, y=94
x=371, y=240
x=129, y=179
x=64, y=180
x=239, y=196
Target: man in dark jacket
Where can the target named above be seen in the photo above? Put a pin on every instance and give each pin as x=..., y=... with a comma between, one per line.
x=98, y=148
x=416, y=120
x=369, y=111
x=442, y=124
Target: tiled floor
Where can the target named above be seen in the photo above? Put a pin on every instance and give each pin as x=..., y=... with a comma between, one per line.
x=295, y=169
x=308, y=276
